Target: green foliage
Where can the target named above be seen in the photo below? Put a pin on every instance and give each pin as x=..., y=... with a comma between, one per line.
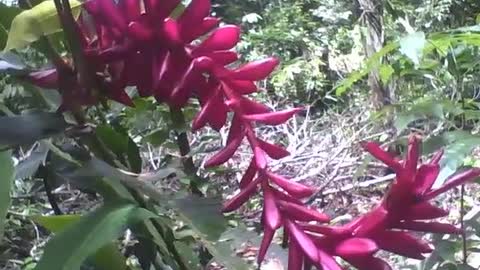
x=7, y=172
x=71, y=246
x=28, y=26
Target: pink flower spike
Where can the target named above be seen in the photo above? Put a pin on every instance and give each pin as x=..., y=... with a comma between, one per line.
x=424, y=210
x=207, y=25
x=171, y=31
x=272, y=218
x=235, y=128
x=454, y=181
x=402, y=243
x=412, y=157
x=295, y=189
x=131, y=9
x=273, y=118
x=373, y=221
x=221, y=57
x=437, y=157
x=426, y=176
x=305, y=243
x=255, y=71
x=196, y=11
x=243, y=87
x=430, y=227
x=44, y=78
x=223, y=38
x=327, y=262
x=227, y=152
x=369, y=263
x=239, y=199
x=295, y=256
x=249, y=174
x=356, y=247
x=302, y=213
x=380, y=154
x=112, y=14
x=280, y=195
x=266, y=241
x=139, y=32
x=260, y=158
x=252, y=107
x=272, y=150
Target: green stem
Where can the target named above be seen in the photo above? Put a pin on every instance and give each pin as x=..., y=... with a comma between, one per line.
x=178, y=120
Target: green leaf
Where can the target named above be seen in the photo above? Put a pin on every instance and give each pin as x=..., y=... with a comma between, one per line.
x=107, y=257
x=203, y=215
x=72, y=246
x=412, y=46
x=122, y=146
x=30, y=25
x=29, y=128
x=386, y=72
x=7, y=175
x=28, y=167
x=157, y=137
x=6, y=18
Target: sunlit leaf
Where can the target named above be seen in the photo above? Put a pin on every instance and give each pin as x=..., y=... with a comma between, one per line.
x=70, y=247
x=6, y=179
x=412, y=46
x=30, y=25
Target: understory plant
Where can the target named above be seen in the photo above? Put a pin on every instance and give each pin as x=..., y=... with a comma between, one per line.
x=182, y=56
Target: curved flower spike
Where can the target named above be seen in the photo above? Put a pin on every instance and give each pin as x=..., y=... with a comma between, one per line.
x=356, y=247
x=227, y=152
x=303, y=241
x=302, y=213
x=223, y=38
x=380, y=154
x=239, y=199
x=431, y=227
x=273, y=118
x=272, y=150
x=256, y=70
x=295, y=189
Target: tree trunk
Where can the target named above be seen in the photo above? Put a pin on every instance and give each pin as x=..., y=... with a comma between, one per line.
x=372, y=18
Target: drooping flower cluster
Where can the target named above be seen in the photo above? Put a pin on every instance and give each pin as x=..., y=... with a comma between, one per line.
x=138, y=43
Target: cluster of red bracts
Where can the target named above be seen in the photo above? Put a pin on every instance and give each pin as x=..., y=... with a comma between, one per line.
x=138, y=43
x=406, y=207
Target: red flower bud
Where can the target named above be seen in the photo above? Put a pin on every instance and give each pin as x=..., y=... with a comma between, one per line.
x=302, y=239
x=293, y=188
x=295, y=256
x=385, y=157
x=426, y=176
x=356, y=247
x=255, y=71
x=272, y=150
x=302, y=213
x=227, y=152
x=47, y=78
x=223, y=38
x=402, y=243
x=266, y=241
x=194, y=13
x=431, y=227
x=239, y=199
x=272, y=218
x=249, y=174
x=243, y=87
x=272, y=118
x=454, y=181
x=424, y=210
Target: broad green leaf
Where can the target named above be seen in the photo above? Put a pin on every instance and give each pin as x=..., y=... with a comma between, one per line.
x=107, y=257
x=72, y=246
x=157, y=137
x=28, y=167
x=412, y=46
x=203, y=215
x=386, y=72
x=56, y=223
x=373, y=62
x=7, y=15
x=29, y=128
x=30, y=25
x=122, y=146
x=6, y=179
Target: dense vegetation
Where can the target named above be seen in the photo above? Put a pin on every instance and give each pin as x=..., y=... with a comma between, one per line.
x=167, y=134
